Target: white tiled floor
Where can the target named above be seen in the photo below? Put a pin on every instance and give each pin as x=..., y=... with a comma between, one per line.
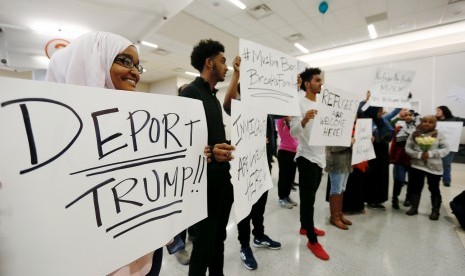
x=381, y=242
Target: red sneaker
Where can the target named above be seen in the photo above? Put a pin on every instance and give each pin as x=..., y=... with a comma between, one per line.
x=318, y=251
x=317, y=231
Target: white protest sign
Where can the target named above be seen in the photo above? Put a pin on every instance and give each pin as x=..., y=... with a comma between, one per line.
x=452, y=131
x=334, y=122
x=92, y=178
x=362, y=149
x=250, y=174
x=268, y=79
x=391, y=87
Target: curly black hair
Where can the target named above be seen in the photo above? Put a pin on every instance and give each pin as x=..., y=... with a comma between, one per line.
x=206, y=48
x=307, y=75
x=446, y=112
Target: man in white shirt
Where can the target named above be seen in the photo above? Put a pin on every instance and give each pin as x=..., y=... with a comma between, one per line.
x=310, y=159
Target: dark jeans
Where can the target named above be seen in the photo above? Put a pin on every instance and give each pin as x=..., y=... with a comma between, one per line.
x=309, y=181
x=210, y=233
x=287, y=169
x=256, y=216
x=416, y=180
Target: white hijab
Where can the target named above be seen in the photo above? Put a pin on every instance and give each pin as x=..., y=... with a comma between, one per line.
x=87, y=60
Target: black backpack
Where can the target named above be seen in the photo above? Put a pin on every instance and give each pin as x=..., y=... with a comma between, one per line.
x=458, y=208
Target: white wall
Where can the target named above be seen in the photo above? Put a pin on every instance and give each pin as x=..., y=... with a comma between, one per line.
x=434, y=76
x=166, y=87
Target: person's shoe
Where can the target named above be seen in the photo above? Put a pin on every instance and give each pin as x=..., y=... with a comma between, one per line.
x=434, y=215
x=317, y=231
x=318, y=251
x=285, y=204
x=412, y=211
x=266, y=242
x=183, y=257
x=248, y=259
x=289, y=199
x=395, y=203
x=407, y=203
x=446, y=184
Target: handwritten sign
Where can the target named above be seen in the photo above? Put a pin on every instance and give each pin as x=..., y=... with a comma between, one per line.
x=333, y=124
x=268, y=79
x=391, y=87
x=249, y=168
x=94, y=178
x=453, y=132
x=362, y=149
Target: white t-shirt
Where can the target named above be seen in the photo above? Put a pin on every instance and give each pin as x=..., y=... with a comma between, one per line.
x=315, y=154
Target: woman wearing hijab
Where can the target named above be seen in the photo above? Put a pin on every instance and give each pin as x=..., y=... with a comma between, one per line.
x=377, y=188
x=101, y=59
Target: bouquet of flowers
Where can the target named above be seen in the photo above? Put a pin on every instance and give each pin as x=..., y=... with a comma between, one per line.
x=425, y=142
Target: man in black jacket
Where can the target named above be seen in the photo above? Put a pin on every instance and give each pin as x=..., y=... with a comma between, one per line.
x=208, y=246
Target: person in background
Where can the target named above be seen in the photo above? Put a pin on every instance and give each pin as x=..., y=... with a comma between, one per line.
x=426, y=163
x=377, y=189
x=353, y=200
x=257, y=212
x=443, y=113
x=338, y=166
x=101, y=59
x=287, y=166
x=208, y=246
x=397, y=155
x=310, y=159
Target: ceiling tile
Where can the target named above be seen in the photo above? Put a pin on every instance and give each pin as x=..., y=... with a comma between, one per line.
x=200, y=11
x=272, y=21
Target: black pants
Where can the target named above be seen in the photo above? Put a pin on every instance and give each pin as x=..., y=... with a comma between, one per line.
x=287, y=169
x=256, y=216
x=309, y=181
x=156, y=262
x=210, y=233
x=416, y=179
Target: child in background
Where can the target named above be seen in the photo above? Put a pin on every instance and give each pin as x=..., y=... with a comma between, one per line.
x=426, y=146
x=398, y=156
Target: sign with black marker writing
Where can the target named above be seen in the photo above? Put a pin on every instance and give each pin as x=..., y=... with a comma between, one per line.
x=268, y=79
x=362, y=149
x=95, y=178
x=391, y=87
x=250, y=174
x=333, y=124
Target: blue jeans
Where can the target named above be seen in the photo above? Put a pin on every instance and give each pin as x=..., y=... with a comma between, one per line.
x=446, y=165
x=338, y=183
x=400, y=172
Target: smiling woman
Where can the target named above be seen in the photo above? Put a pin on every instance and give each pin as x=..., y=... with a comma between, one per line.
x=90, y=61
x=105, y=60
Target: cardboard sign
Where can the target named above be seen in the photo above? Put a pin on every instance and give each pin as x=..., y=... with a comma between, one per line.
x=250, y=174
x=453, y=132
x=334, y=122
x=268, y=79
x=362, y=149
x=92, y=178
x=391, y=88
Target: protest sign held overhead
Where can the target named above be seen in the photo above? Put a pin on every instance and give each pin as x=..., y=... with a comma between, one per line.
x=268, y=79
x=391, y=88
